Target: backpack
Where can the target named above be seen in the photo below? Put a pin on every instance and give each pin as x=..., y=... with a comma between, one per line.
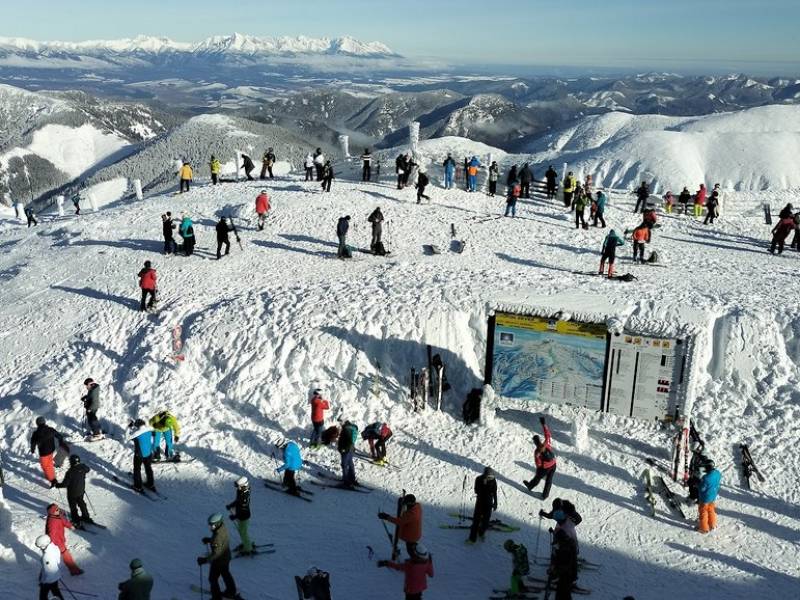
x=379, y=249
x=627, y=277
x=316, y=586
x=653, y=258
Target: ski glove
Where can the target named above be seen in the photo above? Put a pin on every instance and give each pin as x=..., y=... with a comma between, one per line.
x=206, y=540
x=201, y=560
x=233, y=517
x=541, y=420
x=383, y=516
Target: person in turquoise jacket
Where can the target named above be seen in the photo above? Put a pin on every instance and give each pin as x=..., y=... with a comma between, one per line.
x=600, y=210
x=292, y=462
x=609, y=252
x=142, y=437
x=186, y=231
x=707, y=497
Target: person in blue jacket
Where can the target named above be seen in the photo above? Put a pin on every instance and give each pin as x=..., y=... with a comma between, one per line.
x=707, y=497
x=600, y=209
x=472, y=173
x=609, y=252
x=449, y=171
x=142, y=437
x=292, y=462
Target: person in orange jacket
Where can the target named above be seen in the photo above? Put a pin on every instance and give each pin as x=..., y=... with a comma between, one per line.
x=641, y=236
x=54, y=527
x=417, y=569
x=409, y=523
x=545, y=461
x=262, y=208
x=318, y=407
x=147, y=283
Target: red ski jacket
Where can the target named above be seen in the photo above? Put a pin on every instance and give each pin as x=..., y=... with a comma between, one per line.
x=147, y=279
x=262, y=204
x=545, y=458
x=318, y=407
x=54, y=527
x=416, y=575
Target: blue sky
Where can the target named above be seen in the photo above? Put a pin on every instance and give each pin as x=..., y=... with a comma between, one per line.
x=741, y=35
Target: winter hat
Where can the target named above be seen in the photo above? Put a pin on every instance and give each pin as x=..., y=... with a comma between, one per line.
x=410, y=500
x=488, y=473
x=74, y=459
x=241, y=482
x=89, y=380
x=147, y=264
x=215, y=520
x=509, y=546
x=53, y=509
x=347, y=217
x=136, y=564
x=537, y=440
x=709, y=466
x=42, y=541
x=420, y=551
x=40, y=421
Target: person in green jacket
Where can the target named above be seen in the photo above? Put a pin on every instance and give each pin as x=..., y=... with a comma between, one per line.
x=580, y=200
x=219, y=559
x=520, y=566
x=165, y=424
x=139, y=586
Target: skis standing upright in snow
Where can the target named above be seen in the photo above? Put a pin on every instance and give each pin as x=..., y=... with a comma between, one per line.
x=749, y=466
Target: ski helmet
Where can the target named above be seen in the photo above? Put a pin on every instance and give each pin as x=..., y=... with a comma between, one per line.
x=42, y=541
x=420, y=551
x=215, y=520
x=241, y=482
x=509, y=545
x=136, y=564
x=410, y=500
x=40, y=421
x=710, y=465
x=74, y=459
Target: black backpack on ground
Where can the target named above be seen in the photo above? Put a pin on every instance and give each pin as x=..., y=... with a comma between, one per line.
x=379, y=249
x=316, y=586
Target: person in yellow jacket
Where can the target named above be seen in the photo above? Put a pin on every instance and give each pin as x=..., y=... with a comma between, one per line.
x=165, y=424
x=570, y=183
x=186, y=176
x=216, y=167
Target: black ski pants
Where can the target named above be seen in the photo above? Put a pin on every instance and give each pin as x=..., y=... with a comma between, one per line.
x=220, y=244
x=377, y=231
x=421, y=194
x=580, y=218
x=710, y=216
x=216, y=570
x=319, y=172
x=481, y=517
x=777, y=243
x=492, y=188
x=77, y=510
x=45, y=589
x=138, y=463
x=551, y=190
x=326, y=184
x=170, y=247
x=289, y=481
x=568, y=199
x=638, y=251
x=598, y=216
x=309, y=173
x=343, y=251
x=366, y=172
x=93, y=422
x=547, y=475
x=399, y=181
x=526, y=189
x=143, y=305
x=641, y=204
x=185, y=185
x=214, y=179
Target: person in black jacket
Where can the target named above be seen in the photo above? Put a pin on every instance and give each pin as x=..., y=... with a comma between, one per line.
x=485, y=503
x=551, y=177
x=400, y=168
x=222, y=237
x=248, y=165
x=512, y=176
x=525, y=178
x=376, y=219
x=422, y=182
x=642, y=194
x=91, y=404
x=44, y=440
x=366, y=165
x=567, y=507
x=75, y=482
x=346, y=446
x=342, y=227
x=327, y=176
x=167, y=227
x=241, y=514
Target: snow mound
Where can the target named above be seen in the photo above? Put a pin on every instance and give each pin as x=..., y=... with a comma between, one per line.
x=75, y=149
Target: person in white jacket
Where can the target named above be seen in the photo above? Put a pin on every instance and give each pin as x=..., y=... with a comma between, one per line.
x=51, y=568
x=309, y=165
x=319, y=163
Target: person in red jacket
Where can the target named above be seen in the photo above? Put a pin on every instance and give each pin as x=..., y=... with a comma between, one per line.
x=700, y=200
x=262, y=208
x=417, y=569
x=409, y=523
x=780, y=232
x=147, y=282
x=545, y=461
x=54, y=527
x=318, y=407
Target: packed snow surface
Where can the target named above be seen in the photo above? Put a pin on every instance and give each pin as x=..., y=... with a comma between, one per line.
x=75, y=149
x=268, y=323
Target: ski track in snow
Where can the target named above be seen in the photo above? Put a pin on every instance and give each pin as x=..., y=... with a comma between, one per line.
x=263, y=326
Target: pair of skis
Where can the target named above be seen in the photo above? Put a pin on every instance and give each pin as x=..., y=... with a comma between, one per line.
x=278, y=487
x=749, y=466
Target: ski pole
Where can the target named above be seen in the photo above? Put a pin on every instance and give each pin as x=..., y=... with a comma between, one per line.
x=202, y=594
x=538, y=535
x=90, y=502
x=69, y=591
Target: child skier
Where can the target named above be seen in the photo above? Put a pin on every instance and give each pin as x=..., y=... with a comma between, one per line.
x=641, y=236
x=707, y=497
x=417, y=568
x=91, y=404
x=545, y=461
x=240, y=514
x=318, y=407
x=147, y=283
x=520, y=566
x=292, y=462
x=262, y=208
x=377, y=434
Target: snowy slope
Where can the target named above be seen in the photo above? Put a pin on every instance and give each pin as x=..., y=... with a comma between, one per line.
x=264, y=325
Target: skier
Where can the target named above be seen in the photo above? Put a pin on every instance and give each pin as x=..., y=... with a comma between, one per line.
x=248, y=166
x=525, y=177
x=588, y=185
x=485, y=503
x=76, y=202
x=31, y=217
x=223, y=229
x=75, y=482
x=44, y=440
x=641, y=236
x=267, y=161
x=54, y=527
x=378, y=170
x=707, y=497
x=366, y=165
x=696, y=470
x=550, y=177
x=292, y=462
x=410, y=171
x=219, y=559
x=186, y=231
x=342, y=226
x=346, y=446
x=422, y=182
x=164, y=424
x=147, y=283
x=568, y=186
x=609, y=252
x=318, y=407
x=520, y=566
x=511, y=177
x=417, y=568
x=700, y=200
x=186, y=176
x=377, y=434
x=400, y=167
x=449, y=166
x=579, y=200
x=514, y=192
x=330, y=435
x=409, y=523
x=215, y=167
x=669, y=202
x=140, y=584
x=786, y=211
x=50, y=573
x=649, y=217
x=494, y=175
x=262, y=208
x=545, y=461
x=91, y=404
x=684, y=198
x=565, y=516
x=563, y=563
x=240, y=514
x=472, y=173
x=642, y=194
x=142, y=437
x=712, y=208
x=327, y=176
x=309, y=167
x=600, y=208
x=319, y=163
x=466, y=174
x=376, y=220
x=167, y=227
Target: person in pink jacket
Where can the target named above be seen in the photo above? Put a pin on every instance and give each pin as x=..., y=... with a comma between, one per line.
x=700, y=200
x=417, y=569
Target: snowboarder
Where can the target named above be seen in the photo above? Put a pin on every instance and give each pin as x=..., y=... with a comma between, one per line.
x=186, y=231
x=318, y=407
x=292, y=462
x=472, y=173
x=31, y=217
x=700, y=200
x=485, y=503
x=44, y=440
x=147, y=283
x=366, y=165
x=642, y=194
x=494, y=175
x=50, y=572
x=707, y=497
x=376, y=220
x=75, y=482
x=609, y=252
x=417, y=568
x=514, y=192
x=219, y=559
x=167, y=227
x=409, y=523
x=422, y=182
x=164, y=424
x=186, y=176
x=545, y=460
x=525, y=177
x=309, y=167
x=684, y=198
x=346, y=446
x=267, y=161
x=54, y=527
x=140, y=584
x=262, y=208
x=551, y=177
x=377, y=434
x=568, y=185
x=520, y=567
x=342, y=227
x=91, y=404
x=319, y=163
x=240, y=513
x=327, y=176
x=712, y=208
x=142, y=437
x=223, y=229
x=641, y=236
x=249, y=166
x=579, y=200
x=449, y=166
x=600, y=208
x=215, y=167
x=563, y=562
x=400, y=168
